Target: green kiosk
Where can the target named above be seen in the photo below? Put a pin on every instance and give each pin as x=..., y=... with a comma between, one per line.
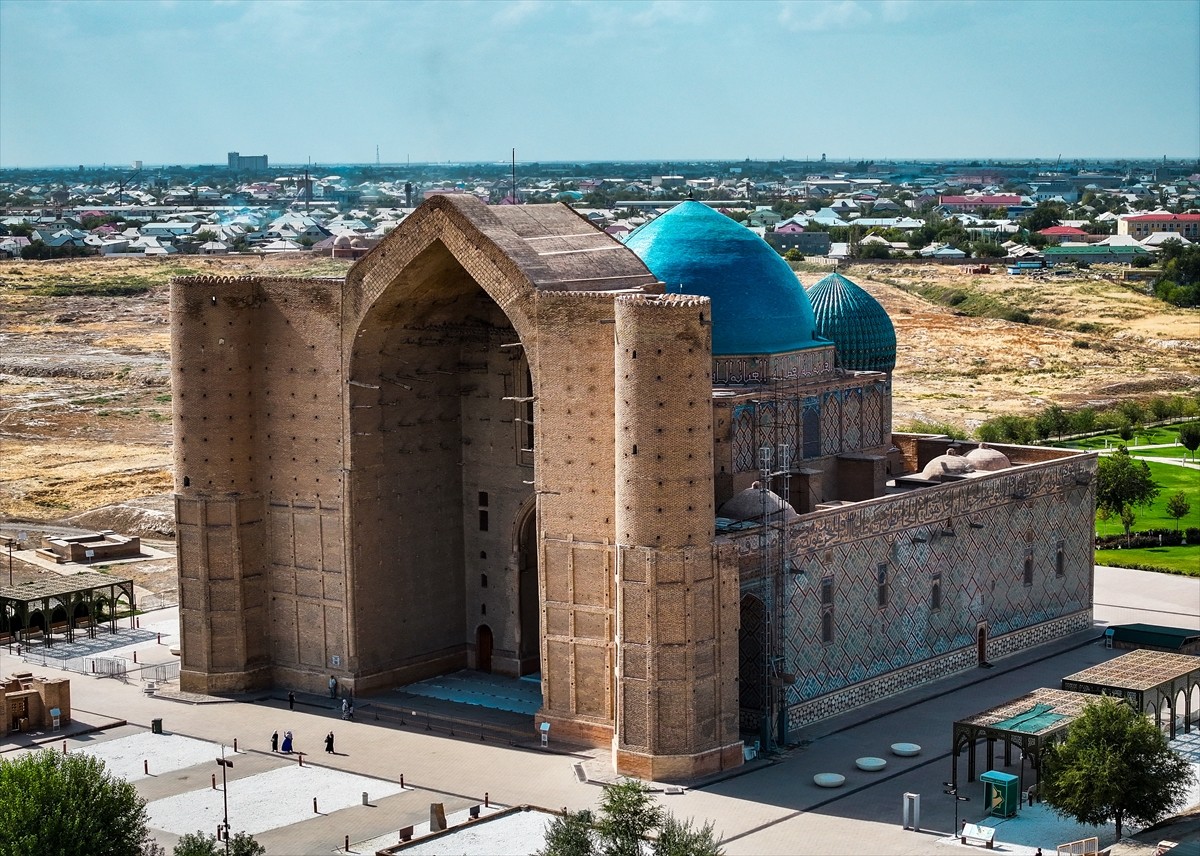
x=1001, y=793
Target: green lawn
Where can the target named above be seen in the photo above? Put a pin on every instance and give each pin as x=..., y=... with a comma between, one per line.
x=1148, y=437
x=1175, y=560
x=1170, y=480
x=1170, y=453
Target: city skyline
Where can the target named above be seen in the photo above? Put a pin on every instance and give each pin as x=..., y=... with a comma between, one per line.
x=183, y=83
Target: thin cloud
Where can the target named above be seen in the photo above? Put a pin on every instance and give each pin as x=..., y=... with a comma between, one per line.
x=812, y=16
x=517, y=12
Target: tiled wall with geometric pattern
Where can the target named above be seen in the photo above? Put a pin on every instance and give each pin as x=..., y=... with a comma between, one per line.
x=883, y=559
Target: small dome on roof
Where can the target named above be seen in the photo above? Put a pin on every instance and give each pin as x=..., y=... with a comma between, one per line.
x=748, y=505
x=758, y=304
x=358, y=243
x=947, y=465
x=856, y=324
x=983, y=458
x=341, y=241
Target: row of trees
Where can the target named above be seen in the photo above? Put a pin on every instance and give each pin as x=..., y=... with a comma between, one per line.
x=1125, y=419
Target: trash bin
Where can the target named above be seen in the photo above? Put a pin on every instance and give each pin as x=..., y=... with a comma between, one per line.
x=156, y=726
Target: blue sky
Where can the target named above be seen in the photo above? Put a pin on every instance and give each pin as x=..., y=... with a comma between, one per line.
x=185, y=81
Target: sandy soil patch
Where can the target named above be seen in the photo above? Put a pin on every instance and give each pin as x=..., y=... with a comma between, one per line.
x=85, y=418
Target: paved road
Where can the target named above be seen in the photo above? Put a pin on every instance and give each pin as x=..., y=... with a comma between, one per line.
x=774, y=809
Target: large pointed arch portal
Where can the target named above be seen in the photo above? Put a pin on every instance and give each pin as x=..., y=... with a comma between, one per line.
x=440, y=349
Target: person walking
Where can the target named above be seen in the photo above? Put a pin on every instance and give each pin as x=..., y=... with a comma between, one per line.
x=274, y=741
x=287, y=743
x=350, y=710
x=291, y=700
x=332, y=687
x=329, y=742
x=345, y=708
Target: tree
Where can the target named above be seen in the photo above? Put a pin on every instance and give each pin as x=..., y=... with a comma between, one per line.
x=1189, y=436
x=1178, y=507
x=627, y=813
x=1045, y=215
x=200, y=844
x=1114, y=765
x=67, y=804
x=794, y=255
x=872, y=250
x=1121, y=484
x=569, y=835
x=987, y=250
x=679, y=838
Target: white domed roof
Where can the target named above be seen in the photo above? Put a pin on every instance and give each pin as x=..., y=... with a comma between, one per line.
x=341, y=241
x=987, y=459
x=948, y=464
x=749, y=505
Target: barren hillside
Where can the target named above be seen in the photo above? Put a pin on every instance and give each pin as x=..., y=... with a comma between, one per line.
x=85, y=394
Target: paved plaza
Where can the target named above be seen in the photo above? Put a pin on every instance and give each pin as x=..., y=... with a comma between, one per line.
x=772, y=807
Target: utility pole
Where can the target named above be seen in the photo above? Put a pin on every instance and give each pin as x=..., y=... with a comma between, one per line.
x=225, y=794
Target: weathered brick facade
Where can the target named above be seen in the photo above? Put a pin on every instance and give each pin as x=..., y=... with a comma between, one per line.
x=497, y=444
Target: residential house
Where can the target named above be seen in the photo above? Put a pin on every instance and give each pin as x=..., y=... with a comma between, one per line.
x=1141, y=226
x=980, y=203
x=1058, y=234
x=941, y=251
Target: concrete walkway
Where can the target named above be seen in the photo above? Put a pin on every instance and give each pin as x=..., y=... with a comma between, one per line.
x=774, y=808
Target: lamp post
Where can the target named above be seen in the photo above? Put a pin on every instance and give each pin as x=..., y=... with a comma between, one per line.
x=952, y=791
x=8, y=542
x=225, y=794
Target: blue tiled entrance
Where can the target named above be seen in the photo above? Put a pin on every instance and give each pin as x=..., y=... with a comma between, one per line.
x=517, y=695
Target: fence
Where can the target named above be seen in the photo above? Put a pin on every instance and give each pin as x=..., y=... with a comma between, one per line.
x=111, y=667
x=108, y=667
x=151, y=602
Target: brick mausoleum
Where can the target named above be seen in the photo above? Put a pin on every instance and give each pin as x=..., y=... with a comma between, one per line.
x=507, y=442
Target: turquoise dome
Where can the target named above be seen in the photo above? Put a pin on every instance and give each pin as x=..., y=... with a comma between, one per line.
x=758, y=304
x=857, y=325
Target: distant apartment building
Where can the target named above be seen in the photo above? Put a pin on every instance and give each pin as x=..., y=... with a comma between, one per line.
x=979, y=204
x=247, y=163
x=1143, y=225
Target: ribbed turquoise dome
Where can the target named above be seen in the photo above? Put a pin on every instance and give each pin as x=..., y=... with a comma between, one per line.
x=758, y=305
x=858, y=326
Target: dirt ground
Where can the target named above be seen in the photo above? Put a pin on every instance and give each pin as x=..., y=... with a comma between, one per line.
x=85, y=397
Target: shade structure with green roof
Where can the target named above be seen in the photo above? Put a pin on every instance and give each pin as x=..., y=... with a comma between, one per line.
x=853, y=320
x=758, y=304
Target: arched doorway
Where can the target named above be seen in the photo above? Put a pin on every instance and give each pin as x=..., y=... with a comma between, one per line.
x=483, y=648
x=751, y=652
x=527, y=594
x=438, y=415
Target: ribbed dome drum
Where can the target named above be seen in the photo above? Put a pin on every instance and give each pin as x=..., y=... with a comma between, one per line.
x=758, y=304
x=856, y=324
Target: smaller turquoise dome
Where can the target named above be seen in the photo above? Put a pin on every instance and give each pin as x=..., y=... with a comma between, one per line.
x=858, y=326
x=758, y=304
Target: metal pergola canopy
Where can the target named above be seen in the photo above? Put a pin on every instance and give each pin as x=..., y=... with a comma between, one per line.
x=77, y=595
x=1141, y=677
x=1028, y=722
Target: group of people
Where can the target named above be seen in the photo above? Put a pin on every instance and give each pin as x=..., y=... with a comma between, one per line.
x=347, y=713
x=286, y=748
